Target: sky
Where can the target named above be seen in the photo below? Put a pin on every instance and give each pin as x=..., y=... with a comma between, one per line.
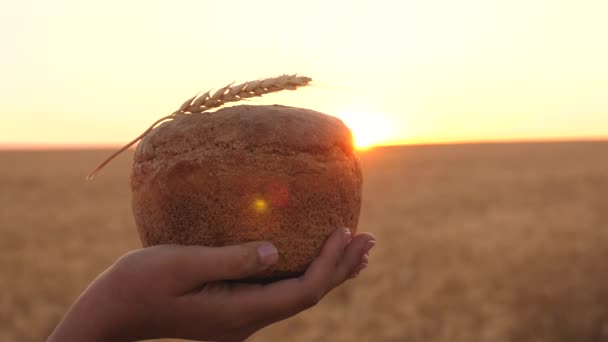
x=79, y=73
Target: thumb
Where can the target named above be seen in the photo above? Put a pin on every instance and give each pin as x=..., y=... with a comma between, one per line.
x=207, y=264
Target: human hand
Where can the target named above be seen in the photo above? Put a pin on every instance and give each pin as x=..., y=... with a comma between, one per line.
x=172, y=291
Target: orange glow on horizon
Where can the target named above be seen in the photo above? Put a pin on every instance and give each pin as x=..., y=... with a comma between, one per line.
x=368, y=129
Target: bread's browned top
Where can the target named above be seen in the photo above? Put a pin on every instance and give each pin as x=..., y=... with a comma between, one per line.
x=274, y=128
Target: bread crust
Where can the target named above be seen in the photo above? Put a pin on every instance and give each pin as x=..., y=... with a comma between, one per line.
x=246, y=173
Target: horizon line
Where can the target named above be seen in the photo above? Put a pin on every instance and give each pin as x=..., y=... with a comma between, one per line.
x=109, y=146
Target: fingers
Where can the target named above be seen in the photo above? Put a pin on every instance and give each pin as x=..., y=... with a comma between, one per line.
x=362, y=265
x=354, y=256
x=320, y=270
x=192, y=266
x=286, y=298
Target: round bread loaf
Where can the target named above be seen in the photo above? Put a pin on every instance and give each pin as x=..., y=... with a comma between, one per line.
x=247, y=173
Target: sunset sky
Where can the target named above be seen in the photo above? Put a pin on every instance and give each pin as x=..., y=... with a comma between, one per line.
x=397, y=72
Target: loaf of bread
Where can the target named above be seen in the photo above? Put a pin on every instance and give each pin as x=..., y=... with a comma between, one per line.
x=245, y=173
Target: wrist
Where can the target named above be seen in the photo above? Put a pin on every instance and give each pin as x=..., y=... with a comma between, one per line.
x=90, y=319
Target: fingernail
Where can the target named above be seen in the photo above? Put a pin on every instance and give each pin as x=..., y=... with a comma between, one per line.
x=268, y=254
x=369, y=246
x=358, y=270
x=346, y=235
x=361, y=267
x=365, y=258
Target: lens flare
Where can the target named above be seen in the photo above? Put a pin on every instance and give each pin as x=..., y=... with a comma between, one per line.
x=260, y=205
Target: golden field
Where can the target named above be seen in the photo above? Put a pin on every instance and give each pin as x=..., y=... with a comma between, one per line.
x=492, y=242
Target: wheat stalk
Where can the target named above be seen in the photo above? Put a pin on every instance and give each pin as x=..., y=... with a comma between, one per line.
x=230, y=93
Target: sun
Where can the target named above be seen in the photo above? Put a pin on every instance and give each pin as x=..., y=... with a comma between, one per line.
x=368, y=129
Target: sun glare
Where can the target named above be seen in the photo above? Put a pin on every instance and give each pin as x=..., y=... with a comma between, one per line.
x=368, y=129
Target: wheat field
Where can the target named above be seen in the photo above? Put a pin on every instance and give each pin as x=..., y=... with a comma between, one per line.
x=477, y=242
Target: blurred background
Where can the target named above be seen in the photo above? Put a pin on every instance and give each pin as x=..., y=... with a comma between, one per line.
x=481, y=128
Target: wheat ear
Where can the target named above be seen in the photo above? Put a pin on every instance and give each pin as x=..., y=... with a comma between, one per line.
x=230, y=93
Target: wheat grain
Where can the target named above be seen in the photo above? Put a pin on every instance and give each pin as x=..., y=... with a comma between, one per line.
x=229, y=93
